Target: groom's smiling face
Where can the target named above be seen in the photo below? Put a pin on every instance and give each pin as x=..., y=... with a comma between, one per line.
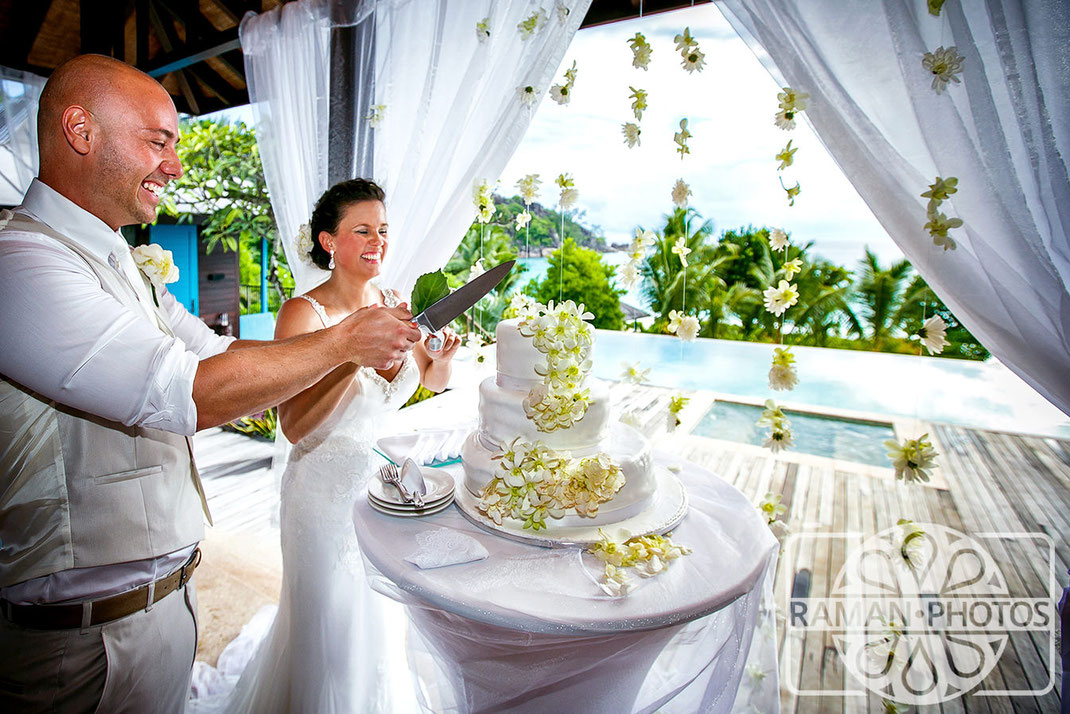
x=137, y=156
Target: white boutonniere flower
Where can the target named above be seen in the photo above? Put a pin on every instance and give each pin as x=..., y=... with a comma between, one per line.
x=157, y=264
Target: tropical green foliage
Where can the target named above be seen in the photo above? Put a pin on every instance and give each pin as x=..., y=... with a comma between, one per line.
x=224, y=180
x=578, y=274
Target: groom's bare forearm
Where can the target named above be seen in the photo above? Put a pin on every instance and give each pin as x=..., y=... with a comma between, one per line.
x=251, y=377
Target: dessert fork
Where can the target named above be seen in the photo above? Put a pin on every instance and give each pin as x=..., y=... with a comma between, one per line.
x=389, y=474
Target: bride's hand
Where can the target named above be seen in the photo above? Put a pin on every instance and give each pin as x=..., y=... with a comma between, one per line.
x=450, y=343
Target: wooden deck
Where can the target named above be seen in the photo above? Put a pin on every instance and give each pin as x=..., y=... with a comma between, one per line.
x=987, y=482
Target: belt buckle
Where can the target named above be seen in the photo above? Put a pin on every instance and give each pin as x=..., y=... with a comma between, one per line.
x=192, y=563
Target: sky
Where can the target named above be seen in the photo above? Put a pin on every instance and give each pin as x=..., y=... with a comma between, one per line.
x=731, y=170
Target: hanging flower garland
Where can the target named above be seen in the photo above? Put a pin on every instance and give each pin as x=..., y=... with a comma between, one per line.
x=780, y=435
x=376, y=115
x=532, y=24
x=631, y=133
x=529, y=190
x=639, y=105
x=945, y=65
x=483, y=30
x=567, y=199
x=939, y=224
x=681, y=138
x=636, y=254
x=913, y=459
x=933, y=335
x=676, y=405
x=631, y=130
x=680, y=193
x=528, y=95
x=562, y=93
x=641, y=51
x=562, y=12
x=692, y=58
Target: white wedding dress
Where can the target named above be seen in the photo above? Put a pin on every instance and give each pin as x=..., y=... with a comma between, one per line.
x=335, y=645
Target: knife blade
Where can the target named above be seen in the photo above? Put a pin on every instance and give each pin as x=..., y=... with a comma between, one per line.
x=446, y=310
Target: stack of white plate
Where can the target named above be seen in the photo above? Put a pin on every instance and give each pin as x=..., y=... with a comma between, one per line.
x=385, y=498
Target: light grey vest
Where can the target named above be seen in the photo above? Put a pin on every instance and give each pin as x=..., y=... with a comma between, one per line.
x=77, y=490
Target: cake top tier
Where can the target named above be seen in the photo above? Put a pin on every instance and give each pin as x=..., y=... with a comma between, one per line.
x=542, y=339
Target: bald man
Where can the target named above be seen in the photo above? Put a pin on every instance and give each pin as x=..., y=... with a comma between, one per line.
x=103, y=379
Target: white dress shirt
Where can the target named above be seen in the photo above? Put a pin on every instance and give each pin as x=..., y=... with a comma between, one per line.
x=64, y=337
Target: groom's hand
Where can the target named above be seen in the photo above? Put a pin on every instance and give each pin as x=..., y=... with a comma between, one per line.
x=377, y=337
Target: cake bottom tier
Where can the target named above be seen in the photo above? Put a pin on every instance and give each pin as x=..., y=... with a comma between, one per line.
x=628, y=448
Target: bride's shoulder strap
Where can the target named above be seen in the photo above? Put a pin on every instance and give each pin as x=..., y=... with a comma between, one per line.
x=317, y=307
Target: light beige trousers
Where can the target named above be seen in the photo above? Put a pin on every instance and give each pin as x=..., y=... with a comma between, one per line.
x=140, y=663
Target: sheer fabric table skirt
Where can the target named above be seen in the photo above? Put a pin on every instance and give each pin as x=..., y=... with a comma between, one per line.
x=528, y=629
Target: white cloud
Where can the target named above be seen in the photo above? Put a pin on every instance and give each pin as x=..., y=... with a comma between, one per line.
x=731, y=169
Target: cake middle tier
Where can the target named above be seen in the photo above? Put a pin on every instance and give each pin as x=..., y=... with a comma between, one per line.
x=502, y=418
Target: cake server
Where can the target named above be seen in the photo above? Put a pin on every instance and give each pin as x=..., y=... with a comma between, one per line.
x=446, y=310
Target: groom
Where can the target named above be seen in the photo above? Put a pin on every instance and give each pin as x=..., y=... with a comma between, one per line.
x=103, y=379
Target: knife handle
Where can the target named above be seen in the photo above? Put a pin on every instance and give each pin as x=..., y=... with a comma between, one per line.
x=434, y=342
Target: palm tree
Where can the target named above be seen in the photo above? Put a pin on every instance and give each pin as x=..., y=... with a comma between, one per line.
x=824, y=302
x=880, y=291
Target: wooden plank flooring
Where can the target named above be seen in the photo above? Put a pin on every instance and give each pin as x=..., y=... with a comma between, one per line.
x=987, y=482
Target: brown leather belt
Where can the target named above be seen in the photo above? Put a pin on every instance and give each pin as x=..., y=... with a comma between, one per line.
x=97, y=612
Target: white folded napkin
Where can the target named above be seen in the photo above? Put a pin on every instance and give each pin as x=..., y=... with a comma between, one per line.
x=442, y=546
x=428, y=446
x=412, y=478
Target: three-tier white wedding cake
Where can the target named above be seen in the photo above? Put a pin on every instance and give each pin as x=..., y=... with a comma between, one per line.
x=547, y=453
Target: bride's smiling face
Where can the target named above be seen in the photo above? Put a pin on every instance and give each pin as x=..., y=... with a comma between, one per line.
x=361, y=239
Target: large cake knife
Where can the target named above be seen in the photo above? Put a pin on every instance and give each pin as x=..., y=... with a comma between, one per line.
x=446, y=310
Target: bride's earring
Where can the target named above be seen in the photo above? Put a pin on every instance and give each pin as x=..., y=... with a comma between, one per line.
x=330, y=266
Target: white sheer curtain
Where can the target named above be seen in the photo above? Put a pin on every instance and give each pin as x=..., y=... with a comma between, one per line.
x=452, y=113
x=1004, y=132
x=19, y=94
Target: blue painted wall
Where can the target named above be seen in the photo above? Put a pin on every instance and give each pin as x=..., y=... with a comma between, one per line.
x=181, y=240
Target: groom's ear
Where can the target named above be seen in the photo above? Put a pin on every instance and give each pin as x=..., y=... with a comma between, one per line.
x=78, y=128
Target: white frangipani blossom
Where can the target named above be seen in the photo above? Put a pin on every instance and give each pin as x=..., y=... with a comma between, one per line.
x=641, y=51
x=778, y=239
x=522, y=220
x=680, y=193
x=529, y=188
x=933, y=335
x=780, y=298
x=531, y=24
x=945, y=65
x=680, y=249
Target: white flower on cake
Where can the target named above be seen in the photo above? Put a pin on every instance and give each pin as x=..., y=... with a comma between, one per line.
x=529, y=188
x=569, y=194
x=532, y=482
x=641, y=51
x=638, y=97
x=633, y=375
x=157, y=264
x=680, y=193
x=631, y=133
x=681, y=138
x=533, y=22
x=792, y=268
x=522, y=220
x=780, y=298
x=648, y=555
x=786, y=157
x=303, y=244
x=481, y=196
x=933, y=335
x=938, y=226
x=376, y=115
x=778, y=239
x=945, y=65
x=483, y=30
x=528, y=94
x=680, y=248
x=782, y=374
x=913, y=459
x=562, y=334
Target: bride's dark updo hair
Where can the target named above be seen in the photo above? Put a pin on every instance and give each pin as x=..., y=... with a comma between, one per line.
x=330, y=207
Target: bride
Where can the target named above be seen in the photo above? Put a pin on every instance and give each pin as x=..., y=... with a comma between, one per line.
x=326, y=650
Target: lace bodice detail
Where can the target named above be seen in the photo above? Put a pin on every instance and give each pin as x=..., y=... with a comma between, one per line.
x=370, y=397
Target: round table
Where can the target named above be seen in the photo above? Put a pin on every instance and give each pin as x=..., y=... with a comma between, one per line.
x=528, y=628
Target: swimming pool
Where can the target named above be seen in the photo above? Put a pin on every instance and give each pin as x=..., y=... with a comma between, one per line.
x=983, y=395
x=846, y=439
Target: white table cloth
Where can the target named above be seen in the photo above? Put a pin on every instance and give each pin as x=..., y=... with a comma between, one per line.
x=528, y=628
